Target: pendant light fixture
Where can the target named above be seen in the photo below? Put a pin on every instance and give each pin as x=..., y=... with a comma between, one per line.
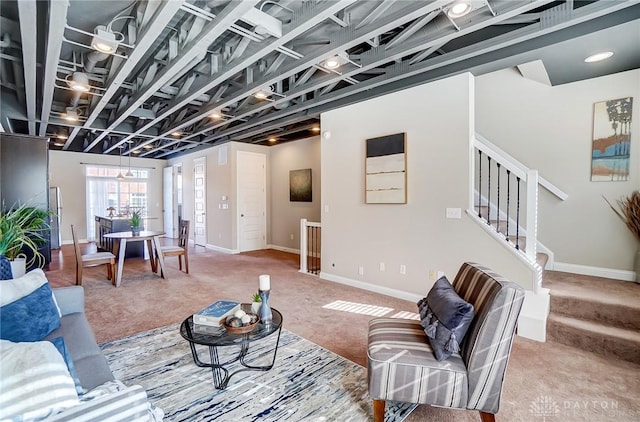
x=120, y=176
x=129, y=174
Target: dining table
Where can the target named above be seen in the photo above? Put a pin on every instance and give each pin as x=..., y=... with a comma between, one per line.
x=153, y=245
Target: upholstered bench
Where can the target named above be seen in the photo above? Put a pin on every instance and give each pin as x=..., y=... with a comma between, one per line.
x=402, y=365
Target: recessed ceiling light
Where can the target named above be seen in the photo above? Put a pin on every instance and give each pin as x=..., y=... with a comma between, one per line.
x=263, y=93
x=148, y=146
x=137, y=151
x=176, y=133
x=272, y=140
x=60, y=136
x=598, y=56
x=459, y=9
x=215, y=115
x=58, y=144
x=316, y=128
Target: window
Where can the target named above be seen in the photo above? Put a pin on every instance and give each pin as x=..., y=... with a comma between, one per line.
x=105, y=191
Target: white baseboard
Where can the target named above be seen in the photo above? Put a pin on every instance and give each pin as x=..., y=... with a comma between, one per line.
x=284, y=249
x=371, y=287
x=595, y=271
x=221, y=249
x=532, y=322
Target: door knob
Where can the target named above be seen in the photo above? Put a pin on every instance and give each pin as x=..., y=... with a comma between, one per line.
x=241, y=215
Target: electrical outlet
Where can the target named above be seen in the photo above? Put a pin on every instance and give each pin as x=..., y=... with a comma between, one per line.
x=219, y=235
x=361, y=270
x=291, y=236
x=432, y=275
x=382, y=267
x=403, y=269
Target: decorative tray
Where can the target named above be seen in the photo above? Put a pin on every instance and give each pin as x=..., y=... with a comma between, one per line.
x=242, y=329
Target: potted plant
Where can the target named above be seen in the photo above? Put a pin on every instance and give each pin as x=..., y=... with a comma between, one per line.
x=22, y=230
x=256, y=302
x=629, y=213
x=135, y=221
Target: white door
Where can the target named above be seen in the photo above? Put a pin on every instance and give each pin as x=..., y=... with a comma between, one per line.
x=199, y=201
x=167, y=201
x=252, y=201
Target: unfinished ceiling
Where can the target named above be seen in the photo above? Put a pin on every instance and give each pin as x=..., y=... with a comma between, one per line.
x=167, y=78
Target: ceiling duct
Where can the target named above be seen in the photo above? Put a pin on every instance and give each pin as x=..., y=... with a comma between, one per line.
x=92, y=59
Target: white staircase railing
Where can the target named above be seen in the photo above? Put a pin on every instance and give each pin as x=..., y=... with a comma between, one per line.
x=497, y=199
x=310, y=246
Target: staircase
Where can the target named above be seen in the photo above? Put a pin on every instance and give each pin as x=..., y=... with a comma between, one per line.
x=596, y=314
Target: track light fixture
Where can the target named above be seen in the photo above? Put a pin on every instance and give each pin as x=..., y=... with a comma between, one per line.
x=79, y=82
x=71, y=114
x=104, y=40
x=120, y=176
x=264, y=93
x=129, y=173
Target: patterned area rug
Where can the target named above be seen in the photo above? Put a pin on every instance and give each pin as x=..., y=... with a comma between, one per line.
x=307, y=382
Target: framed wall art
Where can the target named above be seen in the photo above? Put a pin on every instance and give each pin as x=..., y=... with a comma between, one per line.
x=611, y=141
x=386, y=170
x=300, y=186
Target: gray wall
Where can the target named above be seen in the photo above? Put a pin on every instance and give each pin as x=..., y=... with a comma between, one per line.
x=550, y=129
x=286, y=215
x=438, y=119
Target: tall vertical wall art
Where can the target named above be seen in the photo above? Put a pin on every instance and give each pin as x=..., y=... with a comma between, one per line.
x=300, y=186
x=611, y=142
x=386, y=170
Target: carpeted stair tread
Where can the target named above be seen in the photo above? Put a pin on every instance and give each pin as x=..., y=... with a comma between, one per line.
x=593, y=289
x=542, y=259
x=592, y=336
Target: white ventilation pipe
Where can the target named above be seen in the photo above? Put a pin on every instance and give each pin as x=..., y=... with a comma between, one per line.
x=92, y=59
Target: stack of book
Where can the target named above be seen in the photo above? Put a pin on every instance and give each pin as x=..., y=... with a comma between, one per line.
x=208, y=320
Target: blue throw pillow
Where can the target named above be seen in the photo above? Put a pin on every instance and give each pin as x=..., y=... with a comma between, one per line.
x=27, y=309
x=62, y=348
x=5, y=268
x=445, y=317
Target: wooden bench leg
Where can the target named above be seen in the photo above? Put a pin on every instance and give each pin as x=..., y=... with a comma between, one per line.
x=378, y=410
x=487, y=417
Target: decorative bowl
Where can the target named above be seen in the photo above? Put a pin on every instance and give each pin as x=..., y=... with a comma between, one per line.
x=243, y=329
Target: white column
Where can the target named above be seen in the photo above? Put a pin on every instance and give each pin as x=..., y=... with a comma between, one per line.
x=303, y=245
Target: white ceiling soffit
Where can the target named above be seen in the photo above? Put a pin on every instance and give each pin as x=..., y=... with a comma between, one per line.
x=535, y=71
x=185, y=72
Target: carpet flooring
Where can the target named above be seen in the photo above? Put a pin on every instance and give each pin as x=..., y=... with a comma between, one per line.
x=567, y=383
x=306, y=383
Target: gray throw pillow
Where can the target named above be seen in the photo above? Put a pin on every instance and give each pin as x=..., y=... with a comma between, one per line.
x=445, y=317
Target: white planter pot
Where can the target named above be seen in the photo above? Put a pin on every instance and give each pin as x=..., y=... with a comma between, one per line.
x=18, y=267
x=255, y=307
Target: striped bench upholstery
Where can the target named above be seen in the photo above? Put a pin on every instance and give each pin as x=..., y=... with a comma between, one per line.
x=402, y=366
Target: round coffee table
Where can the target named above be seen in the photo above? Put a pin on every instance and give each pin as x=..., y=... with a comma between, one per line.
x=215, y=337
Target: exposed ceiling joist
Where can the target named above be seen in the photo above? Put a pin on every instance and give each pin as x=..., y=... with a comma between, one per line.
x=27, y=10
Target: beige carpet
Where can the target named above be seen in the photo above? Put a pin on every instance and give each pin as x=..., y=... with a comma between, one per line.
x=543, y=379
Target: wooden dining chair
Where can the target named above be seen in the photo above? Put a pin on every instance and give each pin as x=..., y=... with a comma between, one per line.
x=92, y=260
x=182, y=248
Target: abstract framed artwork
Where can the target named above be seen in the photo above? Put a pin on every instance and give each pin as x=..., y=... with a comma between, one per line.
x=386, y=170
x=611, y=142
x=300, y=186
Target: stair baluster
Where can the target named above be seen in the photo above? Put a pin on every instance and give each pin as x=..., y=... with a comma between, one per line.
x=480, y=184
x=506, y=237
x=518, y=216
x=498, y=201
x=489, y=191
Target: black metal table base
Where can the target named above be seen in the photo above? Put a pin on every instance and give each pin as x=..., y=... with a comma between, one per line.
x=220, y=373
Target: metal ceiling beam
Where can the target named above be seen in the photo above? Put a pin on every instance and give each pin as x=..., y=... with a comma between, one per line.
x=379, y=57
x=57, y=14
x=310, y=16
x=348, y=38
x=390, y=83
x=28, y=24
x=152, y=30
x=214, y=29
